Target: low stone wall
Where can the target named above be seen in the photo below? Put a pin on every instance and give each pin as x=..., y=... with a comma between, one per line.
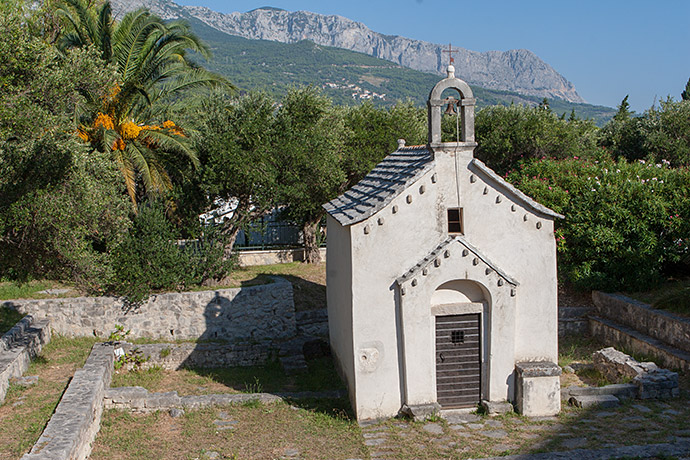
x=627, y=337
x=273, y=256
x=139, y=399
x=17, y=346
x=253, y=313
x=573, y=320
x=651, y=381
x=73, y=427
x=659, y=324
x=173, y=356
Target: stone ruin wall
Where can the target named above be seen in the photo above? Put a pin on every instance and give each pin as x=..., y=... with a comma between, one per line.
x=254, y=314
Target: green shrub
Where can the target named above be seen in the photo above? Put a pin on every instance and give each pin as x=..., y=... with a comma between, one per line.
x=149, y=259
x=509, y=134
x=625, y=223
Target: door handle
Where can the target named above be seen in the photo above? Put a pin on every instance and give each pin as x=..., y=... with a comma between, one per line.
x=441, y=357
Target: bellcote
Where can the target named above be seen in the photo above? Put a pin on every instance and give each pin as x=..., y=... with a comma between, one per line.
x=464, y=106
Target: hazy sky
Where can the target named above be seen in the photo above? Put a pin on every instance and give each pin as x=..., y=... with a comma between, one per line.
x=606, y=48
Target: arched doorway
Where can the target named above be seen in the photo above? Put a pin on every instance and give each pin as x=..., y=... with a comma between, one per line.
x=460, y=309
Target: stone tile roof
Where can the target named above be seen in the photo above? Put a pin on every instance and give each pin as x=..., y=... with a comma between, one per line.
x=386, y=181
x=441, y=247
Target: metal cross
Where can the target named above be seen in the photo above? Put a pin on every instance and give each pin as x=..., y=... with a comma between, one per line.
x=450, y=52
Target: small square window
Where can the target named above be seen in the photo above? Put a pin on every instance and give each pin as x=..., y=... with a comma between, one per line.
x=455, y=221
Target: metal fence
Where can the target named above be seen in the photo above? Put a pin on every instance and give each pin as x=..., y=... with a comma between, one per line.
x=266, y=233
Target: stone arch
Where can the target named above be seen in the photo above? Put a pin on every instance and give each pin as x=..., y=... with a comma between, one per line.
x=435, y=104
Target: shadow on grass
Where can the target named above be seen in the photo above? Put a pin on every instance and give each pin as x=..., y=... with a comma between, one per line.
x=271, y=378
x=336, y=408
x=8, y=318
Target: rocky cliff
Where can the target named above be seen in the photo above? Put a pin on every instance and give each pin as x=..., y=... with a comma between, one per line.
x=514, y=70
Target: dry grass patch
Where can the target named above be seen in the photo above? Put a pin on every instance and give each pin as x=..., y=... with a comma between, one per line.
x=27, y=409
x=319, y=430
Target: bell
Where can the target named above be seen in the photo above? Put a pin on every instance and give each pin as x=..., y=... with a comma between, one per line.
x=450, y=108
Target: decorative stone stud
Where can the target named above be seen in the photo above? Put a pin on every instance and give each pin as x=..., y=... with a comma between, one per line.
x=473, y=178
x=498, y=199
x=512, y=293
x=525, y=217
x=513, y=208
x=487, y=271
x=486, y=191
x=465, y=252
x=380, y=221
x=446, y=254
x=434, y=178
x=409, y=198
x=425, y=271
x=437, y=262
x=422, y=189
x=538, y=225
x=500, y=282
x=366, y=230
x=414, y=282
x=475, y=261
x=395, y=208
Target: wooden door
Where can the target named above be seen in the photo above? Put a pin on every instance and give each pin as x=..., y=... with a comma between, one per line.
x=458, y=362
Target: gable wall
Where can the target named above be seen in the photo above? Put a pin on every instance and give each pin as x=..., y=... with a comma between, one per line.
x=495, y=223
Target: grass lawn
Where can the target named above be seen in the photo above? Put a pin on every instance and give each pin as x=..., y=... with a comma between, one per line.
x=318, y=430
x=308, y=281
x=10, y=290
x=26, y=410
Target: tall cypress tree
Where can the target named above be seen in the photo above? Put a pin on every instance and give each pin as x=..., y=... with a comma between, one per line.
x=685, y=95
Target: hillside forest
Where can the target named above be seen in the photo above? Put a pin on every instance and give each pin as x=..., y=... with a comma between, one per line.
x=113, y=141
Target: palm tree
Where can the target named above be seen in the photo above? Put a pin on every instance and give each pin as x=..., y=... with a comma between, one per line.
x=151, y=59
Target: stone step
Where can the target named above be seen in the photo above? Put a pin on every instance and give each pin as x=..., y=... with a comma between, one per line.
x=619, y=390
x=628, y=338
x=600, y=401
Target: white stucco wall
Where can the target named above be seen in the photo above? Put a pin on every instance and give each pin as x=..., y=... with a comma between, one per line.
x=339, y=300
x=379, y=257
x=520, y=327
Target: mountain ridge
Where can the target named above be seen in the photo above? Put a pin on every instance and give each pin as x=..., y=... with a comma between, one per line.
x=518, y=70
